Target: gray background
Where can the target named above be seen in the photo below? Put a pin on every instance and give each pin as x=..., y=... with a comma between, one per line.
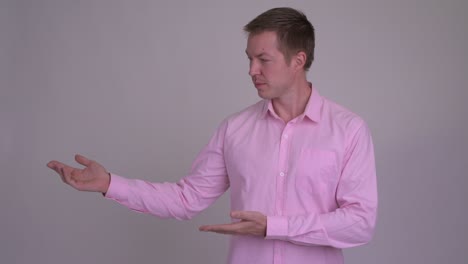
x=141, y=85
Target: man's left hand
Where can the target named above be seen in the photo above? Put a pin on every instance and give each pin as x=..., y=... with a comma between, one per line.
x=252, y=223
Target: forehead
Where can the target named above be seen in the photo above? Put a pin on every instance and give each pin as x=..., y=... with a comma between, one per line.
x=262, y=43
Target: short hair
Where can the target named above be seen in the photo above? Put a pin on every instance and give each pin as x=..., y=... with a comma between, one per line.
x=294, y=32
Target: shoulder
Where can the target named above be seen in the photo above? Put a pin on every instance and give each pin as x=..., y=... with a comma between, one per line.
x=340, y=116
x=247, y=115
x=345, y=125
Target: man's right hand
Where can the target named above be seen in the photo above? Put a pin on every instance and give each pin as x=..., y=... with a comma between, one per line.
x=92, y=178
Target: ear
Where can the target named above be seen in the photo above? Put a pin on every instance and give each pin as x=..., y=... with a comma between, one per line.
x=299, y=60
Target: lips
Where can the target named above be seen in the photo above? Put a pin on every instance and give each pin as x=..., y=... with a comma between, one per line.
x=258, y=85
x=257, y=82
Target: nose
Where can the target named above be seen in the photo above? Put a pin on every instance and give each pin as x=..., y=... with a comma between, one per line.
x=253, y=68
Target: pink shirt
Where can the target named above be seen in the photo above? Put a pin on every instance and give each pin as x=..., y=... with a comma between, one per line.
x=314, y=177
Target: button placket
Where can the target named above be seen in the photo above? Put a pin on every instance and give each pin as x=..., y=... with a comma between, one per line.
x=283, y=158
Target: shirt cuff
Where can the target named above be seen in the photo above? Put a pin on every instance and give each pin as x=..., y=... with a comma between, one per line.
x=277, y=227
x=118, y=188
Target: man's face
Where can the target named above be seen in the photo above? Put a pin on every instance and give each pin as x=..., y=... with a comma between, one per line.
x=271, y=74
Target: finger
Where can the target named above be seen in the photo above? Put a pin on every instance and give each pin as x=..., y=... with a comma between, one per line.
x=214, y=228
x=54, y=164
x=57, y=166
x=223, y=228
x=244, y=215
x=62, y=174
x=65, y=172
x=224, y=232
x=82, y=160
x=51, y=164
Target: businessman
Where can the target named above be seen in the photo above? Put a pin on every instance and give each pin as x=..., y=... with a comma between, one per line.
x=300, y=167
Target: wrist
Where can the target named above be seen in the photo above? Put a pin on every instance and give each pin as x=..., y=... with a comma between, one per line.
x=106, y=184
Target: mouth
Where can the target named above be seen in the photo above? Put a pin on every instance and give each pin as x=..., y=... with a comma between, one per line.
x=259, y=84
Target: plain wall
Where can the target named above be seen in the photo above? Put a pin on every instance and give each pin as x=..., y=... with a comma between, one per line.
x=140, y=87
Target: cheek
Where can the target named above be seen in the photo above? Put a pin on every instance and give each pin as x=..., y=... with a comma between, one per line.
x=270, y=71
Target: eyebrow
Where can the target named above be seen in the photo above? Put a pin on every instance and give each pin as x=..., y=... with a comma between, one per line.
x=259, y=55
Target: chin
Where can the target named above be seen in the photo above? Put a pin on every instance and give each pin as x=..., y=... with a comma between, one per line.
x=263, y=95
x=267, y=94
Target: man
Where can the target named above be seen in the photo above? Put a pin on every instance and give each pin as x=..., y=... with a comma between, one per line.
x=300, y=167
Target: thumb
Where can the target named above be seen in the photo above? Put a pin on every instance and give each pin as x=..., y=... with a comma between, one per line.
x=82, y=160
x=243, y=215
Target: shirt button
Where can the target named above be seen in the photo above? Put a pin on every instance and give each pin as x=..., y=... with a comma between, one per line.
x=282, y=174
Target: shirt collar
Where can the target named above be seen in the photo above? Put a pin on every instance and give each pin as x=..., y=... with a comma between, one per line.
x=313, y=110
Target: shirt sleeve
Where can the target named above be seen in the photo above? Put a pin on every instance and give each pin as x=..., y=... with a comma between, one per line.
x=182, y=200
x=353, y=223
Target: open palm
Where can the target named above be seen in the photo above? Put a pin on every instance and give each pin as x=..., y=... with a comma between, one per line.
x=92, y=178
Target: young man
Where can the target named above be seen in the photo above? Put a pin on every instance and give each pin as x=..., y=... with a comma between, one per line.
x=301, y=168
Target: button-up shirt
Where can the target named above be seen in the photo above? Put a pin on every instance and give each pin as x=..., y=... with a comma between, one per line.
x=313, y=177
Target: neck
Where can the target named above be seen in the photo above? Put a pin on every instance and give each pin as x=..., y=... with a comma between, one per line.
x=292, y=104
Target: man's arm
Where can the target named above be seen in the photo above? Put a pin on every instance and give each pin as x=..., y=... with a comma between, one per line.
x=182, y=200
x=352, y=224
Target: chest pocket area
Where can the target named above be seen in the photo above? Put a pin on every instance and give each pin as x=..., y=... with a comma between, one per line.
x=317, y=171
